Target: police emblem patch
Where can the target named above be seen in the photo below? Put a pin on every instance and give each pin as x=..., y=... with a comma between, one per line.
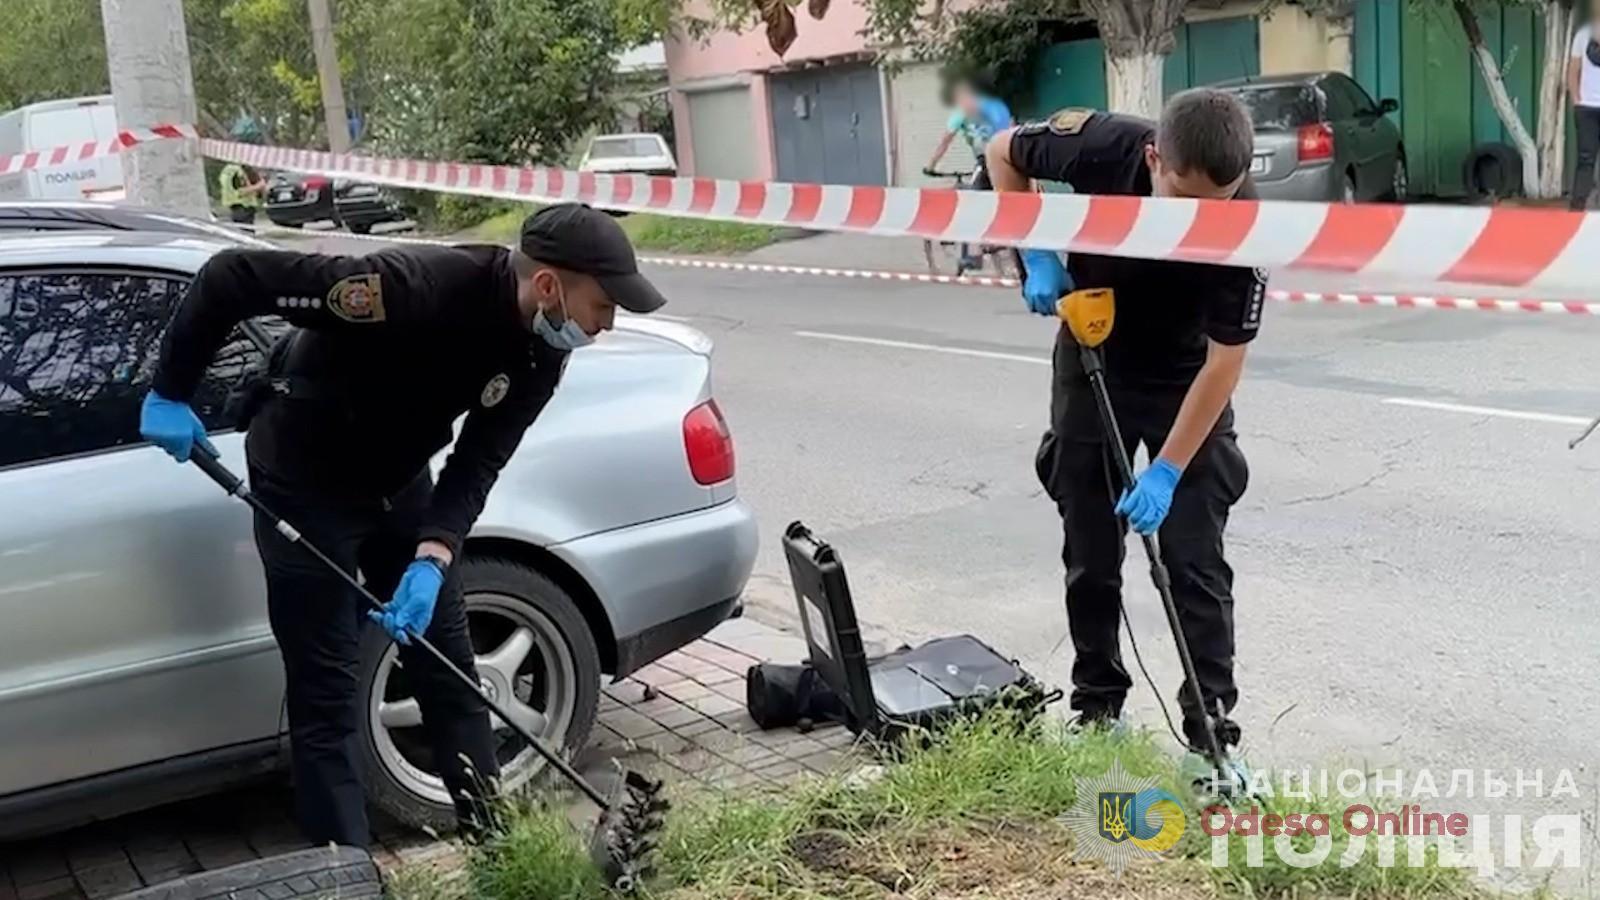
x=495, y=391
x=357, y=298
x=1070, y=121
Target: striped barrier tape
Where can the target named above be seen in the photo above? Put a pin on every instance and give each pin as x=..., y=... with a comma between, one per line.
x=1544, y=251
x=1397, y=301
x=57, y=156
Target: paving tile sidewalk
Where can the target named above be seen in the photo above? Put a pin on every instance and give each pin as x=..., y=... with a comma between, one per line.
x=681, y=717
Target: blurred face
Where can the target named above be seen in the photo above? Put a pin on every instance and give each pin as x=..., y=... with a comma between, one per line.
x=966, y=99
x=579, y=297
x=1168, y=182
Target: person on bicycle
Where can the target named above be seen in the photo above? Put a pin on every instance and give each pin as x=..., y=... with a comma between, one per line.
x=977, y=117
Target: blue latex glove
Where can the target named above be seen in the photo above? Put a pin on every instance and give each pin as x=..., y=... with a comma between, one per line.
x=172, y=426
x=412, y=607
x=1047, y=281
x=1147, y=504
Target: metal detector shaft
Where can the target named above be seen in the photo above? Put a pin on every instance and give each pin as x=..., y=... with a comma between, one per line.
x=1095, y=369
x=1588, y=430
x=234, y=485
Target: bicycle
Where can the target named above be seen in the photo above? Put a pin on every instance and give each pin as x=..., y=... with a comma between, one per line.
x=955, y=257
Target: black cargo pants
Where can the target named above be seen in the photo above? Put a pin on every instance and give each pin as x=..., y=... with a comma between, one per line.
x=1078, y=472
x=318, y=621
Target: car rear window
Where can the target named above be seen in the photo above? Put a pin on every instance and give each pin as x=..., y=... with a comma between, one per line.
x=1286, y=106
x=621, y=147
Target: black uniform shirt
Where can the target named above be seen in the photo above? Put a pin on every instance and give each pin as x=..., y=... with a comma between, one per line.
x=390, y=349
x=1165, y=310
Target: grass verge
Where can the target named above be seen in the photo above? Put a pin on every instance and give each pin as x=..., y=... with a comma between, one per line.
x=647, y=231
x=974, y=814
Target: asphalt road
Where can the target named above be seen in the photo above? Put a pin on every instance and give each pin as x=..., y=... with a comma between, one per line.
x=1415, y=582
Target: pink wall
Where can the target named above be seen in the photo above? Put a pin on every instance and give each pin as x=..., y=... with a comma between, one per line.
x=725, y=53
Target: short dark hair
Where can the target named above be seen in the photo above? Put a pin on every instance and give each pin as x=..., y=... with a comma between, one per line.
x=526, y=266
x=1209, y=131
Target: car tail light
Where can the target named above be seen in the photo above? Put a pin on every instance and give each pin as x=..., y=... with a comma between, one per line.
x=709, y=444
x=1316, y=142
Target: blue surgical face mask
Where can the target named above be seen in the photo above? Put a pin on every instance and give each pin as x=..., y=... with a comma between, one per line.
x=567, y=335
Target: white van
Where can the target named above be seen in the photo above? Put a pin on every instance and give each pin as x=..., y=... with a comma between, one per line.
x=55, y=123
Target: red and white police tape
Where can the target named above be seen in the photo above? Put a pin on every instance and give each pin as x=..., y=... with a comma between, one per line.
x=56, y=156
x=1543, y=251
x=1400, y=301
x=1536, y=251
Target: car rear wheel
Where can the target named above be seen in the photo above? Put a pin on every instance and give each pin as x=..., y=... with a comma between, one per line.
x=535, y=652
x=361, y=228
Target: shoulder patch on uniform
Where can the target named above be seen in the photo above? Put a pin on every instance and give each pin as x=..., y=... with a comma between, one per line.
x=495, y=390
x=357, y=298
x=1070, y=121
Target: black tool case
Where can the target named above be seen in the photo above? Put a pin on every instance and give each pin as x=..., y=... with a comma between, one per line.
x=914, y=687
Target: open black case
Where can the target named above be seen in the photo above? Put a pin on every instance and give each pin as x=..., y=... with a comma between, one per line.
x=911, y=687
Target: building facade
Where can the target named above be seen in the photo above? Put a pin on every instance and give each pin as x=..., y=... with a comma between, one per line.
x=826, y=112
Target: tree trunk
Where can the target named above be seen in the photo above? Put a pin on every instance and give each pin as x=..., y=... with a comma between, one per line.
x=335, y=118
x=1133, y=84
x=1138, y=35
x=1560, y=19
x=147, y=52
x=1499, y=98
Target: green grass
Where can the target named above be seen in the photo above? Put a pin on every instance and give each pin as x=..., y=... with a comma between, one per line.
x=972, y=814
x=648, y=232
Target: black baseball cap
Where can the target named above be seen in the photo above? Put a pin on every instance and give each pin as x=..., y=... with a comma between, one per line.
x=578, y=238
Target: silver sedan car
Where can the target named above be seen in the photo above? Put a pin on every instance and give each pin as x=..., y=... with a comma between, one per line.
x=1320, y=136
x=136, y=662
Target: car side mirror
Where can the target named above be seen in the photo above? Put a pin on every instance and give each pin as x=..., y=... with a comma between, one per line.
x=1388, y=105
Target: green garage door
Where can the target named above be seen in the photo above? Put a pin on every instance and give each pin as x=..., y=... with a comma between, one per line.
x=1213, y=51
x=1074, y=73
x=1068, y=74
x=1418, y=55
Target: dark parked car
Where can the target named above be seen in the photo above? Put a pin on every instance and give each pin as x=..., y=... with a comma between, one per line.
x=1320, y=136
x=293, y=201
x=361, y=206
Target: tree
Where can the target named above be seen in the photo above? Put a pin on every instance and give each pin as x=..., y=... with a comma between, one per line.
x=1543, y=151
x=51, y=49
x=1139, y=35
x=497, y=81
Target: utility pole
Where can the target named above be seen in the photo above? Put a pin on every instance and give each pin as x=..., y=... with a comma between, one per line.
x=322, y=44
x=147, y=52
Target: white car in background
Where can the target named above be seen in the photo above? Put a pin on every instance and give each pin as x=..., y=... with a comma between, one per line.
x=635, y=154
x=58, y=123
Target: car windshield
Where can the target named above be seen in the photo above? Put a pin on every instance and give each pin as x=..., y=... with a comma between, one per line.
x=1281, y=107
x=623, y=147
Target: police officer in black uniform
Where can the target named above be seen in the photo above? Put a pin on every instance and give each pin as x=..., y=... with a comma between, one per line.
x=1172, y=363
x=389, y=349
